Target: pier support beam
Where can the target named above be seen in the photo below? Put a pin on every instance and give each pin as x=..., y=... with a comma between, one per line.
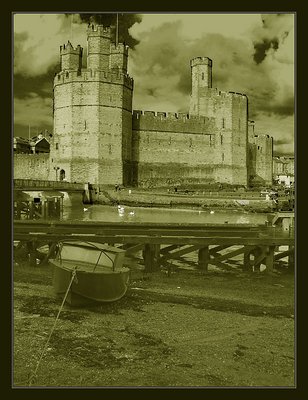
x=203, y=258
x=269, y=259
x=291, y=260
x=31, y=248
x=151, y=257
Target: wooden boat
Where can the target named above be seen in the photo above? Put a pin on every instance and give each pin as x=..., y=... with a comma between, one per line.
x=100, y=275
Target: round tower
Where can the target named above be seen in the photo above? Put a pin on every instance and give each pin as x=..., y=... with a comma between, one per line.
x=201, y=72
x=71, y=59
x=201, y=83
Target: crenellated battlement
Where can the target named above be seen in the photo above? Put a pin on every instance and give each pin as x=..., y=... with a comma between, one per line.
x=99, y=30
x=237, y=94
x=169, y=116
x=201, y=61
x=89, y=75
x=120, y=48
x=223, y=94
x=69, y=49
x=263, y=137
x=172, y=122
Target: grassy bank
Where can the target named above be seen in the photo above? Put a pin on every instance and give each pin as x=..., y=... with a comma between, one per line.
x=193, y=199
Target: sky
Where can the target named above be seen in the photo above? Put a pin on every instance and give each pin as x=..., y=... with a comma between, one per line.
x=251, y=53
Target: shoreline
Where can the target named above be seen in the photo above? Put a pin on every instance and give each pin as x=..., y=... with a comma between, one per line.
x=248, y=202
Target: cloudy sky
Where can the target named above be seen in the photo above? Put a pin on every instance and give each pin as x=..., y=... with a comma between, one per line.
x=251, y=53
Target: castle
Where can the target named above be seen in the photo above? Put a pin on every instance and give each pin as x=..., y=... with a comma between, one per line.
x=98, y=138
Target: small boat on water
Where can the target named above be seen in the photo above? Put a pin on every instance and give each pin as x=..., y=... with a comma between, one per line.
x=100, y=275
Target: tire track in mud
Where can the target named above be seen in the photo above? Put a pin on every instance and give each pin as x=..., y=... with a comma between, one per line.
x=214, y=304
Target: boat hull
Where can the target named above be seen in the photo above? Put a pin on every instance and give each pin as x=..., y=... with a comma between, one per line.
x=88, y=286
x=99, y=272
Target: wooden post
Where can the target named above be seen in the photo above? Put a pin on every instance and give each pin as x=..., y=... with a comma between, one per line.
x=246, y=264
x=151, y=257
x=269, y=259
x=203, y=258
x=32, y=253
x=291, y=260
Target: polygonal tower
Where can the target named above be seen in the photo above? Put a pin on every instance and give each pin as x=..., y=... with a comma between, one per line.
x=93, y=112
x=201, y=80
x=230, y=111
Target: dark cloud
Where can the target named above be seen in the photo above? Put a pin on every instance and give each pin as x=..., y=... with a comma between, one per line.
x=165, y=56
x=126, y=21
x=41, y=84
x=262, y=47
x=281, y=141
x=159, y=62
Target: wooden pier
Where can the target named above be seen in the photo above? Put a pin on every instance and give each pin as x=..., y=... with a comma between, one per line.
x=163, y=244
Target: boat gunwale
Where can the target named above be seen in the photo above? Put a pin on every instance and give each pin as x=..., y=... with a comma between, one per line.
x=99, y=270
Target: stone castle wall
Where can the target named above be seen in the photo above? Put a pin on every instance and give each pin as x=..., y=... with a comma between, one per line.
x=98, y=139
x=182, y=149
x=32, y=166
x=260, y=164
x=92, y=125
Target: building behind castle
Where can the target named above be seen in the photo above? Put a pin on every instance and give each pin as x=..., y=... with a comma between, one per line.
x=98, y=138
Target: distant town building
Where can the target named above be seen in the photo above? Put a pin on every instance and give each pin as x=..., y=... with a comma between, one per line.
x=21, y=145
x=283, y=170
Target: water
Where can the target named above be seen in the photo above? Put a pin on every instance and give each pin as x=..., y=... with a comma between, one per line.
x=105, y=213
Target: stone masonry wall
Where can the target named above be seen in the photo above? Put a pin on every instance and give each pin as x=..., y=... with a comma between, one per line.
x=260, y=160
x=239, y=139
x=92, y=125
x=31, y=166
x=177, y=148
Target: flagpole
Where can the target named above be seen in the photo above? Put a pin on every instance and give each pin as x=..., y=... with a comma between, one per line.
x=117, y=30
x=72, y=27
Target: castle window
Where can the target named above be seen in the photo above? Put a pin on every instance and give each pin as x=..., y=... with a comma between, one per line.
x=110, y=149
x=223, y=156
x=221, y=139
x=258, y=147
x=85, y=124
x=57, y=146
x=190, y=142
x=223, y=122
x=67, y=74
x=202, y=76
x=62, y=175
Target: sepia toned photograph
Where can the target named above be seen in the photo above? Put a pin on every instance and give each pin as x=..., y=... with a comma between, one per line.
x=153, y=200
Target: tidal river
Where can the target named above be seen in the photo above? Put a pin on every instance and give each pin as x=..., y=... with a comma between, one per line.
x=104, y=213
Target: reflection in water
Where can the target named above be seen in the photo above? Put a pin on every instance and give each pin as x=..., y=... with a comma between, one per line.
x=159, y=215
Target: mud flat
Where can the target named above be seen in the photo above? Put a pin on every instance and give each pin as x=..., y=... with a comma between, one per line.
x=221, y=329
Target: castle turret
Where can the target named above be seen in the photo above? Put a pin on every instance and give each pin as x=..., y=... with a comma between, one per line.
x=71, y=59
x=251, y=129
x=99, y=39
x=118, y=57
x=201, y=81
x=201, y=71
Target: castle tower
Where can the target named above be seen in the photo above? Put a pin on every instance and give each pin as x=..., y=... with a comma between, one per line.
x=230, y=111
x=70, y=58
x=93, y=112
x=201, y=81
x=99, y=39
